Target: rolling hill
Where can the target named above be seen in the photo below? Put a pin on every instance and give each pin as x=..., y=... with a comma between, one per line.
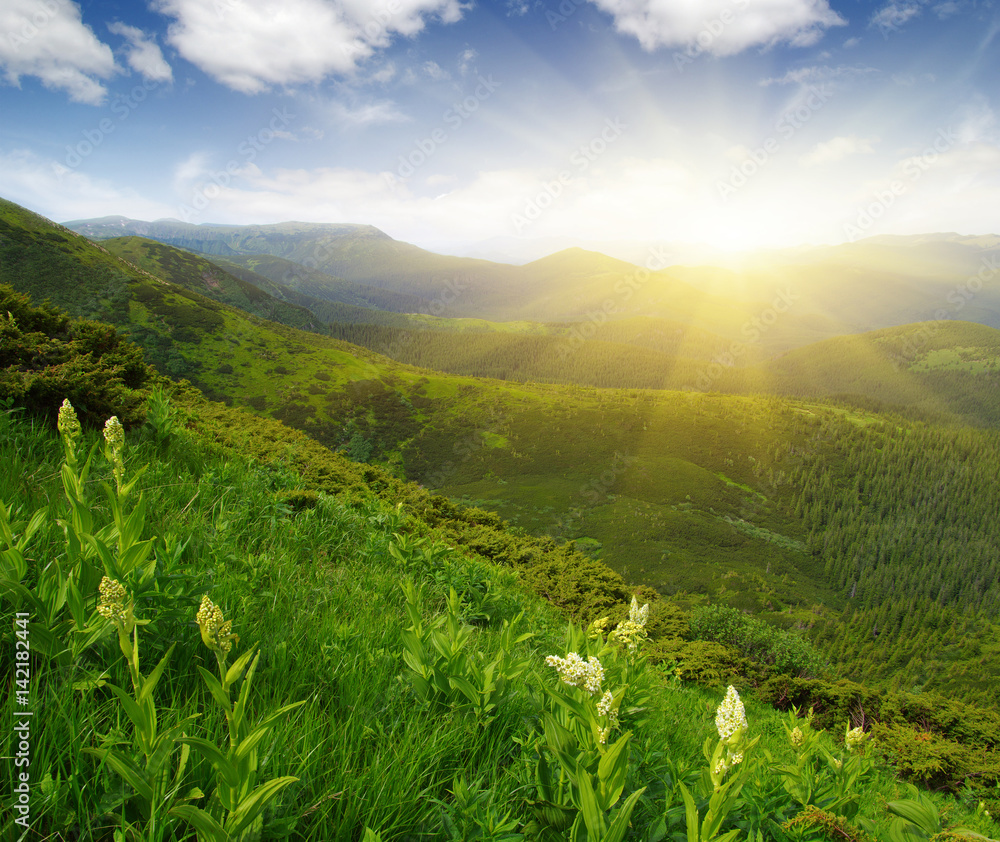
x=946, y=370
x=739, y=499
x=777, y=301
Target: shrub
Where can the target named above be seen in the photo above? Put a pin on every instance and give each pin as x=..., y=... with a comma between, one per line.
x=46, y=357
x=786, y=651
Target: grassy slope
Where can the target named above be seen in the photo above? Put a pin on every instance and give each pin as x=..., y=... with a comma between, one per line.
x=296, y=279
x=692, y=493
x=447, y=431
x=185, y=269
x=948, y=369
x=302, y=585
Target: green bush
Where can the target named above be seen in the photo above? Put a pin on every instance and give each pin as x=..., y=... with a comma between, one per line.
x=46, y=357
x=787, y=652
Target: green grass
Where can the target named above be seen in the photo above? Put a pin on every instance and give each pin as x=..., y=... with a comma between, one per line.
x=706, y=495
x=307, y=588
x=317, y=591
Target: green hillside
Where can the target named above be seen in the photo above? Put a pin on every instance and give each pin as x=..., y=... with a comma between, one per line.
x=197, y=596
x=940, y=369
x=356, y=253
x=776, y=301
x=258, y=296
x=355, y=299
x=707, y=496
x=639, y=352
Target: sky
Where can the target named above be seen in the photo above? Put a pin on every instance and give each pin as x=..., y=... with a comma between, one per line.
x=450, y=124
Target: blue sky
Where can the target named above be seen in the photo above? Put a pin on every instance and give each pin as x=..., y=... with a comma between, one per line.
x=737, y=123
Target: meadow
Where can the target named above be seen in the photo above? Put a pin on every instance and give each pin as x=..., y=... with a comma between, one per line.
x=359, y=677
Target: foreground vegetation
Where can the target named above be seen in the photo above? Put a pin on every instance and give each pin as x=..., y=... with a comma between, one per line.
x=203, y=661
x=811, y=515
x=196, y=596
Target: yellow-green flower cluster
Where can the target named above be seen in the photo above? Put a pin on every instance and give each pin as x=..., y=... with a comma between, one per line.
x=214, y=627
x=630, y=634
x=732, y=758
x=598, y=628
x=576, y=672
x=114, y=437
x=68, y=423
x=797, y=737
x=605, y=707
x=731, y=717
x=112, y=605
x=855, y=738
x=636, y=614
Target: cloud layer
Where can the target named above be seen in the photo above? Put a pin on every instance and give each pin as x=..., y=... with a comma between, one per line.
x=721, y=27
x=49, y=40
x=254, y=46
x=143, y=54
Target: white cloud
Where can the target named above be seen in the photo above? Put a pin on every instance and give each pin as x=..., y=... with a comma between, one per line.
x=818, y=73
x=60, y=193
x=894, y=15
x=368, y=114
x=254, y=45
x=384, y=74
x=945, y=186
x=190, y=170
x=721, y=27
x=143, y=54
x=465, y=61
x=435, y=71
x=50, y=41
x=836, y=149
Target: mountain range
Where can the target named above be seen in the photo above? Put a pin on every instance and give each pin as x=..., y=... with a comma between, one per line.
x=723, y=433
x=818, y=292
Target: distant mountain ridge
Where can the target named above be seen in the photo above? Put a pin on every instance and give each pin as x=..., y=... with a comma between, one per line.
x=765, y=502
x=855, y=287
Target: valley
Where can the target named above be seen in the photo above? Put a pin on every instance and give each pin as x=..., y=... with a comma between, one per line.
x=798, y=455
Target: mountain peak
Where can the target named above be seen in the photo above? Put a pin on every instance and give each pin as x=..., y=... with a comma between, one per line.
x=576, y=259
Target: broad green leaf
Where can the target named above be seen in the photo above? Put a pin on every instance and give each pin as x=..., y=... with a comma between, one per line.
x=138, y=717
x=612, y=771
x=691, y=814
x=266, y=725
x=466, y=688
x=215, y=688
x=207, y=827
x=593, y=815
x=37, y=519
x=151, y=680
x=128, y=769
x=105, y=555
x=136, y=555
x=6, y=533
x=251, y=806
x=14, y=567
x=181, y=766
x=619, y=825
x=249, y=742
x=74, y=599
x=923, y=815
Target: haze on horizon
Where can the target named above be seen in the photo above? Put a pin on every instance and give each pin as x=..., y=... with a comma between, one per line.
x=737, y=124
